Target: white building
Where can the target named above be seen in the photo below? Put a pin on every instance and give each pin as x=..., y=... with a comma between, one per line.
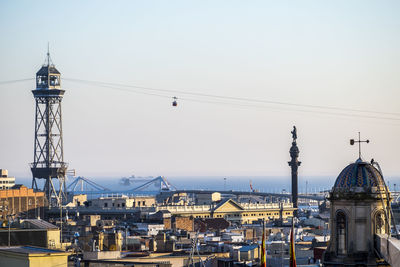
x=123, y=202
x=232, y=237
x=152, y=229
x=6, y=182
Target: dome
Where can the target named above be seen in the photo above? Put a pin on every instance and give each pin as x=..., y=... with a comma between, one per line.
x=359, y=174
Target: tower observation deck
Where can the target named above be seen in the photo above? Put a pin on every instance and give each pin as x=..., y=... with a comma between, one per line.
x=48, y=162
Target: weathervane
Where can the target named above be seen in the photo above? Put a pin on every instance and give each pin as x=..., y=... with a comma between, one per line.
x=359, y=141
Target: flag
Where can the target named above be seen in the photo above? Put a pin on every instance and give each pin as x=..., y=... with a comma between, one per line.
x=292, y=248
x=263, y=261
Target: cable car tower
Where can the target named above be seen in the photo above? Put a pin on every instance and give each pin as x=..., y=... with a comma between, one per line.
x=48, y=162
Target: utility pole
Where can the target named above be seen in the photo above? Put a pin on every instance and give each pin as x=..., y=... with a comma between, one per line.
x=9, y=231
x=9, y=228
x=61, y=221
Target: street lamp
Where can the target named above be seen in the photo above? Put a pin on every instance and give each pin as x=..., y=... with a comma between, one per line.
x=9, y=228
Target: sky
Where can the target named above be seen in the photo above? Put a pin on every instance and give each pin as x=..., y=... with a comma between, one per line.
x=342, y=54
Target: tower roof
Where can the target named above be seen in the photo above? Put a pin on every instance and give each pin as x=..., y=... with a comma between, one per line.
x=48, y=77
x=46, y=70
x=361, y=175
x=48, y=67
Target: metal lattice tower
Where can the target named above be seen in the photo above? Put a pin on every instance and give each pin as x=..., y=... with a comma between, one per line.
x=48, y=162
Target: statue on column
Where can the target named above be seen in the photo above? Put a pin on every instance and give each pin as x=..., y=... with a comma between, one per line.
x=294, y=164
x=294, y=133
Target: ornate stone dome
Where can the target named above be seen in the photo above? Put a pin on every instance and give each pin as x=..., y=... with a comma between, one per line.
x=359, y=175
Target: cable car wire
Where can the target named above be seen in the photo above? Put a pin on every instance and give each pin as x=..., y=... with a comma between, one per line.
x=291, y=109
x=239, y=98
x=16, y=81
x=314, y=108
x=123, y=89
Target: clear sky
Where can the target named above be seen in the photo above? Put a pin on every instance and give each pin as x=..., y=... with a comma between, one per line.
x=328, y=53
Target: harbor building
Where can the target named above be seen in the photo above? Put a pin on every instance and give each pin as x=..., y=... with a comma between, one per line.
x=6, y=182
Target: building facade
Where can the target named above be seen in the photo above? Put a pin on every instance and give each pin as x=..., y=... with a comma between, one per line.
x=243, y=213
x=25, y=256
x=123, y=202
x=360, y=210
x=6, y=182
x=21, y=201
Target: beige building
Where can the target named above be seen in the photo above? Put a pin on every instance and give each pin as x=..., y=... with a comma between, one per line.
x=124, y=201
x=234, y=212
x=101, y=241
x=27, y=256
x=31, y=232
x=6, y=182
x=77, y=200
x=21, y=201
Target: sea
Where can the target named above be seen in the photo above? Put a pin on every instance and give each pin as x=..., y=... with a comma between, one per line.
x=269, y=184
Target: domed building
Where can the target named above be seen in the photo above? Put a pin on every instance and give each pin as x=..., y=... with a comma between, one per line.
x=360, y=209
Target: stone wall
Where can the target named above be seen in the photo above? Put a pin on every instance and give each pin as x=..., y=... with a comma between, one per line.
x=184, y=223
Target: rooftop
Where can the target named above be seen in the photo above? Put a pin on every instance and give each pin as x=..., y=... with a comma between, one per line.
x=29, y=250
x=37, y=224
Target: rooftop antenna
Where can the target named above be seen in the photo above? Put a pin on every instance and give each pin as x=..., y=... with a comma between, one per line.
x=48, y=55
x=359, y=141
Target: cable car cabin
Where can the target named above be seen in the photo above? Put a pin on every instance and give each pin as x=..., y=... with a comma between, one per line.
x=174, y=102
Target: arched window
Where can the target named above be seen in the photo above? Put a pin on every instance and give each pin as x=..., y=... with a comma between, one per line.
x=341, y=233
x=379, y=223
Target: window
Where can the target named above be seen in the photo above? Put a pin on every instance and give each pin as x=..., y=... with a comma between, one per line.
x=341, y=233
x=379, y=223
x=41, y=81
x=54, y=80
